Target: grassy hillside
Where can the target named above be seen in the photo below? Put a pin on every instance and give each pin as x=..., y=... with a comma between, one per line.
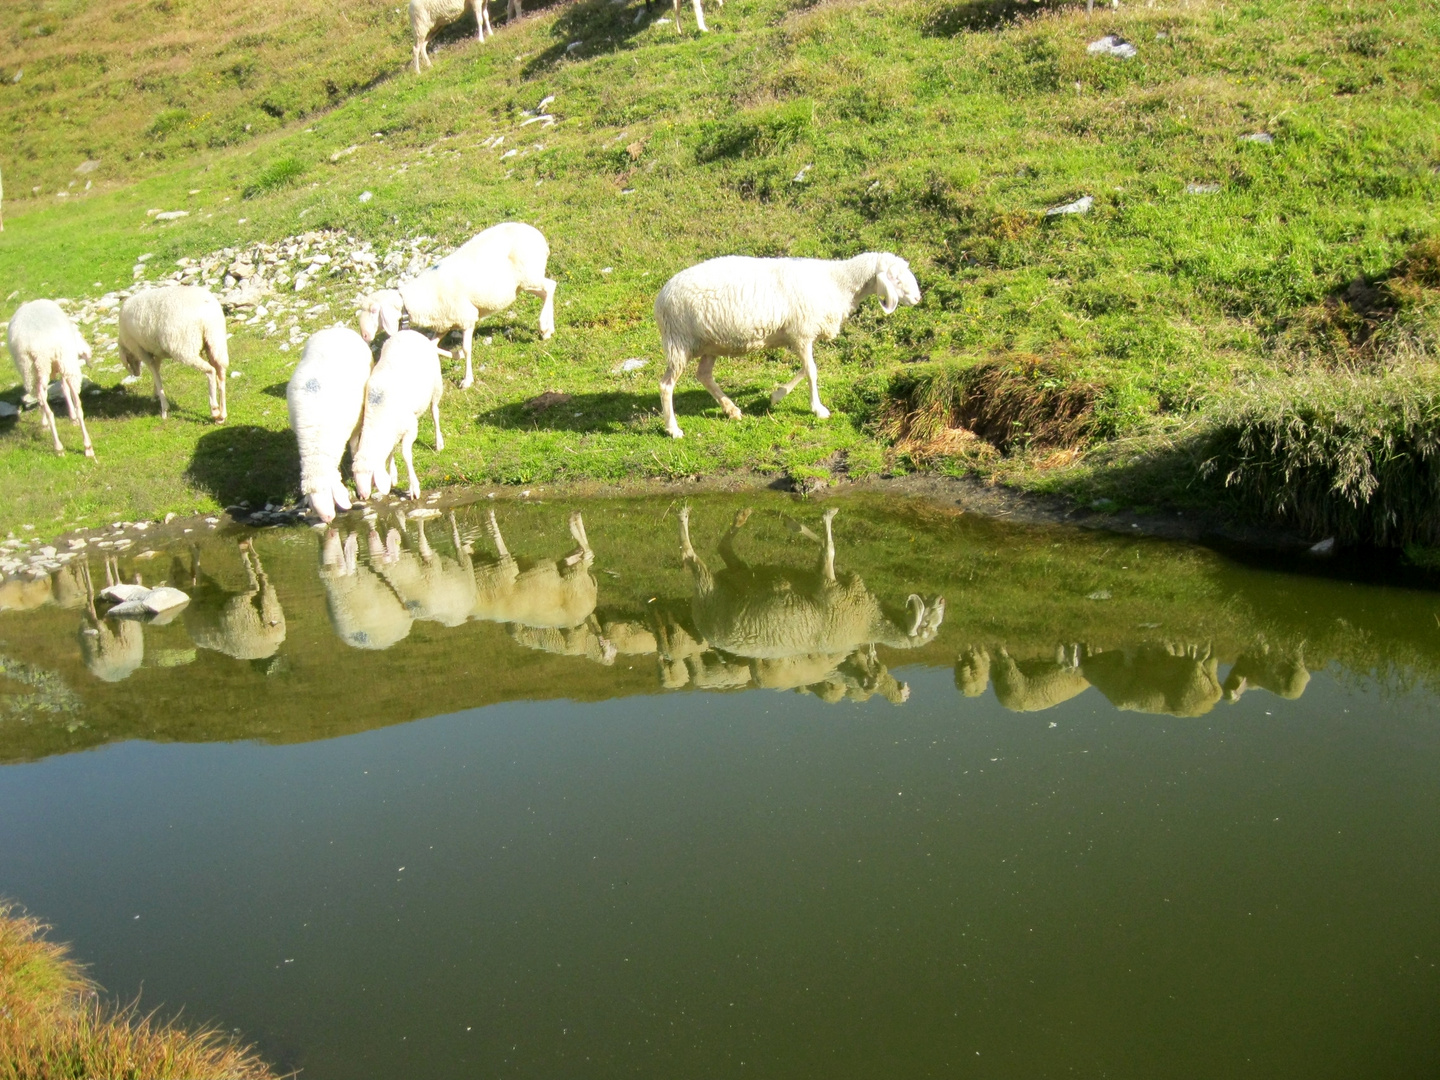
x=941, y=131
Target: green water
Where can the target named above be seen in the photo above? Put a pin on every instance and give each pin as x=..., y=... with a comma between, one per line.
x=942, y=797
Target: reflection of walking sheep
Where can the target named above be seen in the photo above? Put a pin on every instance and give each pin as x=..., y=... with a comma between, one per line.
x=364, y=609
x=248, y=625
x=1284, y=676
x=546, y=594
x=1022, y=685
x=110, y=649
x=797, y=628
x=1174, y=680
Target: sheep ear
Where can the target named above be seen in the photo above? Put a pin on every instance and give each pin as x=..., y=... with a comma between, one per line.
x=889, y=293
x=389, y=320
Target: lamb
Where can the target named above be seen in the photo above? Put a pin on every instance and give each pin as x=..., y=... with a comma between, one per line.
x=45, y=344
x=183, y=322
x=402, y=385
x=427, y=16
x=478, y=279
x=735, y=305
x=326, y=397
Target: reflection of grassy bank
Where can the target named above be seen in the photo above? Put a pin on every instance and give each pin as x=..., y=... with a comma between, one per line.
x=53, y=1025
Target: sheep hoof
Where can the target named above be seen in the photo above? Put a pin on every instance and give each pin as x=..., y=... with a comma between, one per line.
x=675, y=433
x=90, y=452
x=465, y=384
x=777, y=395
x=733, y=412
x=822, y=413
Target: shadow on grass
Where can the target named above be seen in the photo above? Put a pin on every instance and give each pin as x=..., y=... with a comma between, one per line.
x=979, y=15
x=106, y=403
x=611, y=413
x=246, y=463
x=598, y=25
x=277, y=390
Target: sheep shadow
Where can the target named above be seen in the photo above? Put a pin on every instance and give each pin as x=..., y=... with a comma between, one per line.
x=980, y=15
x=99, y=402
x=244, y=463
x=610, y=413
x=278, y=390
x=599, y=25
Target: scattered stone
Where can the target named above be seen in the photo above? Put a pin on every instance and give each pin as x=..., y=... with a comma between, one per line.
x=633, y=364
x=124, y=593
x=1112, y=45
x=8, y=411
x=573, y=46
x=423, y=513
x=1263, y=137
x=1099, y=594
x=799, y=177
x=1324, y=547
x=171, y=215
x=1081, y=205
x=1201, y=189
x=87, y=166
x=163, y=599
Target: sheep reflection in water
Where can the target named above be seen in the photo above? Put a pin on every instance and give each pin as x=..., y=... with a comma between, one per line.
x=364, y=610
x=110, y=649
x=433, y=587
x=246, y=625
x=1171, y=679
x=784, y=628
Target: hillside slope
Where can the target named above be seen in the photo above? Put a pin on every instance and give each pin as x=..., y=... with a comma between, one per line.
x=941, y=131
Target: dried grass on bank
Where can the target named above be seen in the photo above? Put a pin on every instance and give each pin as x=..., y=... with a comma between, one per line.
x=53, y=1024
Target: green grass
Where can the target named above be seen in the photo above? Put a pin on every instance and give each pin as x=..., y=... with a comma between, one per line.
x=937, y=130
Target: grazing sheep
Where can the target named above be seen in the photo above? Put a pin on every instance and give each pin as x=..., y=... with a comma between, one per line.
x=1037, y=685
x=735, y=305
x=110, y=649
x=1172, y=680
x=478, y=279
x=45, y=344
x=248, y=625
x=433, y=588
x=404, y=383
x=545, y=595
x=184, y=322
x=364, y=610
x=326, y=397
x=427, y=16
x=584, y=640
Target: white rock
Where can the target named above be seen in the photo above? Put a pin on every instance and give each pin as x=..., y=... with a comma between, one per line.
x=123, y=593
x=1324, y=547
x=171, y=215
x=1111, y=45
x=633, y=364
x=163, y=599
x=1201, y=189
x=1081, y=205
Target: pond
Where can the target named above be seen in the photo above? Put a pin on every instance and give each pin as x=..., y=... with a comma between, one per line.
x=744, y=786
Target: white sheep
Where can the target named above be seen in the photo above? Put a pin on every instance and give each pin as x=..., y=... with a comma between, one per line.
x=184, y=322
x=427, y=16
x=326, y=397
x=735, y=305
x=403, y=384
x=481, y=277
x=45, y=344
x=699, y=14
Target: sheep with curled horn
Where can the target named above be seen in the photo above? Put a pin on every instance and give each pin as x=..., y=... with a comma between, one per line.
x=782, y=620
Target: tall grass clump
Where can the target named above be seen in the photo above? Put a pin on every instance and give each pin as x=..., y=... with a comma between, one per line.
x=1353, y=457
x=1019, y=402
x=53, y=1024
x=278, y=174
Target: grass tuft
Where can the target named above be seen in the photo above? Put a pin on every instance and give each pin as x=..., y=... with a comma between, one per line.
x=282, y=173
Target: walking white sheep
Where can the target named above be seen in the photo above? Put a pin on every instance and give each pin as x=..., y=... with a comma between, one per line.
x=478, y=279
x=183, y=322
x=699, y=14
x=403, y=384
x=736, y=305
x=45, y=344
x=326, y=397
x=427, y=16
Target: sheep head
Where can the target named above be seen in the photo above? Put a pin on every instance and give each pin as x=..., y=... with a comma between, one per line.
x=380, y=311
x=895, y=284
x=82, y=348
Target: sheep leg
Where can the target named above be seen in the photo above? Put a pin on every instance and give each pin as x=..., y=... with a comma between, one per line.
x=546, y=292
x=77, y=414
x=513, y=10
x=224, y=410
x=807, y=354
x=469, y=346
x=674, y=367
x=727, y=542
x=154, y=366
x=479, y=7
x=496, y=538
x=827, y=562
x=407, y=446
x=426, y=551
x=48, y=415
x=699, y=15
x=780, y=393
x=707, y=380
x=435, y=416
x=577, y=530
x=211, y=375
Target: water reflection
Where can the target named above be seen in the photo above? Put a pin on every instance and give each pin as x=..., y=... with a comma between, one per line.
x=514, y=609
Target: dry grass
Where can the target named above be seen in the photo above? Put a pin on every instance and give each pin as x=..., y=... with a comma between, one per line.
x=53, y=1024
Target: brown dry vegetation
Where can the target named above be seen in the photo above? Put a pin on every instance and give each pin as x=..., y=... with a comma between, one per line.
x=130, y=83
x=53, y=1024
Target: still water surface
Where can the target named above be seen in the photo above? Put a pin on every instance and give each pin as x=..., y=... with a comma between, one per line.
x=559, y=794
